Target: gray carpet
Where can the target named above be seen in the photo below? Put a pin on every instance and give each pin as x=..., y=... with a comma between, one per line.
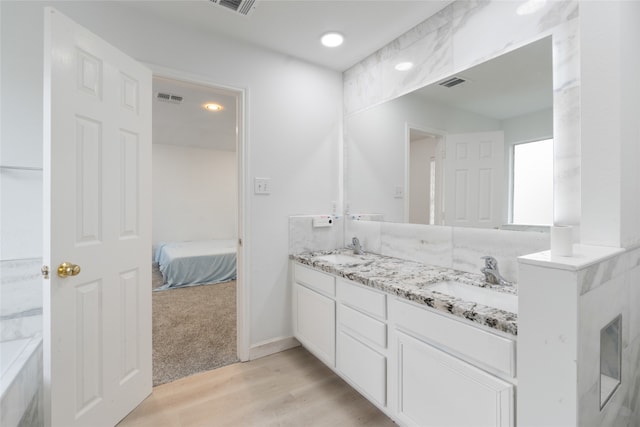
x=194, y=329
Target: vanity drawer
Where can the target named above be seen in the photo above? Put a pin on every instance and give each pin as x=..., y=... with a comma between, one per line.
x=315, y=279
x=474, y=344
x=361, y=298
x=364, y=326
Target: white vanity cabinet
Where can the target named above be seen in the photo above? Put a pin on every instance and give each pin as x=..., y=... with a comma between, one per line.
x=421, y=367
x=437, y=389
x=437, y=379
x=362, y=339
x=314, y=312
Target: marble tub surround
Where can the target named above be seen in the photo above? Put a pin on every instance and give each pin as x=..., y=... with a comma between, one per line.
x=459, y=248
x=411, y=280
x=303, y=236
x=20, y=298
x=20, y=340
x=21, y=387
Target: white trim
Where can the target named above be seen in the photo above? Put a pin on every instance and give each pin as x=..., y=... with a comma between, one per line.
x=276, y=345
x=242, y=283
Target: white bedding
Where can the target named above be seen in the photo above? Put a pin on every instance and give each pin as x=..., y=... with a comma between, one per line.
x=196, y=262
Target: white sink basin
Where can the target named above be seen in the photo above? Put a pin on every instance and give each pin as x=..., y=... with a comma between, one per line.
x=342, y=259
x=488, y=297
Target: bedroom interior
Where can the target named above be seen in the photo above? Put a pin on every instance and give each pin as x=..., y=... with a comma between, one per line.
x=194, y=229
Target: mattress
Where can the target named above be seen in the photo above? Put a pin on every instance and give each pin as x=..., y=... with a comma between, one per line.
x=196, y=262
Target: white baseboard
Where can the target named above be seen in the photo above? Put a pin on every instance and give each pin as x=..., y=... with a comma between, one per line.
x=273, y=346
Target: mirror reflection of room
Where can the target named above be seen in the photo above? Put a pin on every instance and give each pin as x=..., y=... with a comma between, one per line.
x=472, y=150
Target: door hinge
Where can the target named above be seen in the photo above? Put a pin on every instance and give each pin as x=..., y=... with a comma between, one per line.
x=45, y=271
x=239, y=242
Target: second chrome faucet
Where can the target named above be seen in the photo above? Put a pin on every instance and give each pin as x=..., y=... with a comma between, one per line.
x=491, y=273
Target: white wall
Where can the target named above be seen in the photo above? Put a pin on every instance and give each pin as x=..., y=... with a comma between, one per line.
x=194, y=194
x=293, y=141
x=528, y=127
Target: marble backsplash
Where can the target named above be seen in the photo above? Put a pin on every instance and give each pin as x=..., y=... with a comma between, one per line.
x=304, y=237
x=459, y=248
x=450, y=247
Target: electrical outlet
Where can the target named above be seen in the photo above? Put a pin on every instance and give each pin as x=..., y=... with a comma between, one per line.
x=262, y=185
x=334, y=207
x=323, y=221
x=398, y=192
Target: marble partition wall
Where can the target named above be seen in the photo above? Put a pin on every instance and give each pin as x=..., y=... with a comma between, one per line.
x=466, y=33
x=460, y=248
x=579, y=296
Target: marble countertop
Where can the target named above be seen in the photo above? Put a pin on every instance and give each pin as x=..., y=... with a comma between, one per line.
x=410, y=280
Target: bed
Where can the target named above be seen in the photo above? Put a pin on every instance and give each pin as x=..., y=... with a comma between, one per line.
x=196, y=262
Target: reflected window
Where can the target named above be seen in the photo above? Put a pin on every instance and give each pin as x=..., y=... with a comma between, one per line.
x=532, y=183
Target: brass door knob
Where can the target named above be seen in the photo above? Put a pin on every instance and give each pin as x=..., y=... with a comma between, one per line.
x=67, y=269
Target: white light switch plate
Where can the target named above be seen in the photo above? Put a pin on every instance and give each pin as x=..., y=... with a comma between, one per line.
x=262, y=185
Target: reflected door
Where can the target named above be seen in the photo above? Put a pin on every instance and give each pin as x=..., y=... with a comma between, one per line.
x=474, y=179
x=424, y=179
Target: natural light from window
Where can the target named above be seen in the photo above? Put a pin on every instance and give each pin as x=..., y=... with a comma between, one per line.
x=533, y=183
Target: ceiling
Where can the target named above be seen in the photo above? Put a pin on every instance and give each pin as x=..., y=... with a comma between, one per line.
x=510, y=85
x=189, y=123
x=293, y=27
x=489, y=91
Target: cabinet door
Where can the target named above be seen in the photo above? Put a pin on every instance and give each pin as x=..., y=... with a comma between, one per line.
x=363, y=367
x=436, y=389
x=315, y=323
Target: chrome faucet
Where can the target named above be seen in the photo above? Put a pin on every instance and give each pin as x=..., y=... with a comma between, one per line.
x=357, y=248
x=491, y=273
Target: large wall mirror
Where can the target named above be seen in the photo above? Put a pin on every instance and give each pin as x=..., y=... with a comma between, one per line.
x=474, y=149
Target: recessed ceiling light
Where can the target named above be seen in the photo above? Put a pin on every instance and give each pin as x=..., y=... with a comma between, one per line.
x=332, y=39
x=213, y=107
x=530, y=6
x=404, y=66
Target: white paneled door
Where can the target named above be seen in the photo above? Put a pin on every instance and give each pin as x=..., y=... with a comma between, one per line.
x=474, y=180
x=97, y=187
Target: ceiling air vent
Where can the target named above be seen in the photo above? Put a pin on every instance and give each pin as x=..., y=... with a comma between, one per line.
x=168, y=97
x=243, y=7
x=451, y=82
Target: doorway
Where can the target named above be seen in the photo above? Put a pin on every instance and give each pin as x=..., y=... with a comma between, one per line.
x=424, y=177
x=197, y=170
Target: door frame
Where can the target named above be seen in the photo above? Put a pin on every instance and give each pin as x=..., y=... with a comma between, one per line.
x=242, y=161
x=408, y=127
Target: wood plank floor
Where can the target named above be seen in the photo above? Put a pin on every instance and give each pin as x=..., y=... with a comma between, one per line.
x=291, y=388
